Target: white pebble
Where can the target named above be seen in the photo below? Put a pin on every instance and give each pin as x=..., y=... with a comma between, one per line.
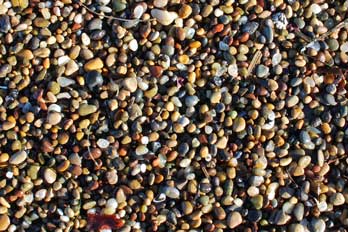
x=344, y=47
x=316, y=9
x=103, y=143
x=133, y=45
x=63, y=60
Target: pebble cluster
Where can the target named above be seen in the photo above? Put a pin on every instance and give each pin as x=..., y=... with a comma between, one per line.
x=166, y=121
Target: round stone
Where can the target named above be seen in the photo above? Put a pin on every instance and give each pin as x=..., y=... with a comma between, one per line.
x=93, y=79
x=50, y=175
x=234, y=219
x=4, y=222
x=262, y=71
x=131, y=84
x=18, y=158
x=54, y=118
x=239, y=124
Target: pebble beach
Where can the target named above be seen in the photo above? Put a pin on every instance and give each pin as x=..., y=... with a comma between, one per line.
x=173, y=115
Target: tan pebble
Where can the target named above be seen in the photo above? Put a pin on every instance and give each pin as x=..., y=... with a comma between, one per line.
x=239, y=124
x=234, y=219
x=222, y=143
x=50, y=175
x=54, y=118
x=4, y=222
x=8, y=125
x=94, y=64
x=185, y=11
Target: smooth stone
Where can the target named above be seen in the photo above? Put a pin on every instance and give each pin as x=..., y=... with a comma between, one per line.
x=254, y=215
x=141, y=150
x=186, y=207
x=250, y=27
x=86, y=109
x=40, y=194
x=65, y=82
x=315, y=8
x=131, y=84
x=329, y=99
x=103, y=143
x=171, y=192
x=50, y=175
x=215, y=97
x=239, y=124
x=119, y=5
x=296, y=228
x=5, y=24
x=276, y=58
x=304, y=137
x=54, y=118
x=63, y=60
x=71, y=68
x=191, y=101
x=337, y=199
x=291, y=101
x=93, y=79
x=18, y=158
x=4, y=222
x=262, y=71
x=95, y=24
x=234, y=219
x=268, y=33
x=318, y=225
x=133, y=45
x=257, y=201
x=233, y=70
x=222, y=143
x=333, y=44
x=94, y=64
x=160, y=3
x=281, y=218
x=344, y=47
x=164, y=17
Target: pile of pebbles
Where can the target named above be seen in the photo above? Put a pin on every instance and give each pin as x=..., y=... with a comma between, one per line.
x=158, y=120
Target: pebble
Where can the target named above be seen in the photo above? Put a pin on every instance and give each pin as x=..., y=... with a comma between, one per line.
x=164, y=17
x=86, y=109
x=18, y=157
x=4, y=222
x=50, y=175
x=131, y=84
x=318, y=225
x=103, y=143
x=160, y=3
x=94, y=64
x=133, y=45
x=239, y=124
x=234, y=219
x=337, y=199
x=262, y=71
x=54, y=118
x=93, y=79
x=172, y=192
x=5, y=24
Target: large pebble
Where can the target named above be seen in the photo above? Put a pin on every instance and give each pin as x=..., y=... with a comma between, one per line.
x=86, y=109
x=164, y=17
x=172, y=192
x=94, y=64
x=50, y=175
x=131, y=83
x=318, y=225
x=160, y=3
x=262, y=70
x=54, y=118
x=18, y=157
x=239, y=124
x=234, y=219
x=4, y=222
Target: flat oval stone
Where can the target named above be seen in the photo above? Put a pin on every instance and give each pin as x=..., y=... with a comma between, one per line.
x=4, y=222
x=50, y=175
x=18, y=157
x=234, y=219
x=239, y=124
x=86, y=109
x=172, y=192
x=164, y=17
